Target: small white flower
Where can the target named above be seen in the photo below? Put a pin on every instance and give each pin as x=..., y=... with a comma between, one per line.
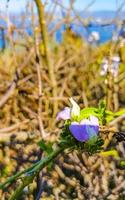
x=104, y=67
x=116, y=59
x=115, y=37
x=94, y=36
x=115, y=65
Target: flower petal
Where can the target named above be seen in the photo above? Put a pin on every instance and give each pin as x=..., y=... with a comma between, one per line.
x=116, y=59
x=92, y=130
x=75, y=110
x=79, y=132
x=85, y=122
x=64, y=114
x=84, y=132
x=94, y=120
x=75, y=123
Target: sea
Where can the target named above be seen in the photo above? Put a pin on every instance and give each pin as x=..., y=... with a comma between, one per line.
x=105, y=32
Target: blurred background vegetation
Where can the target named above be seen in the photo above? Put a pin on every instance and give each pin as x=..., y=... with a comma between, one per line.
x=49, y=52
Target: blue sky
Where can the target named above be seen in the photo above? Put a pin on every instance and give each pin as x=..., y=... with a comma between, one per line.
x=19, y=5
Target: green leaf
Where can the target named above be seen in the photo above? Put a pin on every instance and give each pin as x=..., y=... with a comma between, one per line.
x=94, y=145
x=122, y=163
x=109, y=118
x=102, y=105
x=112, y=152
x=47, y=147
x=120, y=112
x=102, y=112
x=49, y=167
x=86, y=112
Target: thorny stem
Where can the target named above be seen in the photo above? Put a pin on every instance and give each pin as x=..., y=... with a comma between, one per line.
x=34, y=170
x=40, y=8
x=31, y=173
x=26, y=181
x=16, y=176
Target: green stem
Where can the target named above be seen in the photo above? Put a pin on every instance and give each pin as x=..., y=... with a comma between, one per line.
x=12, y=178
x=35, y=169
x=26, y=181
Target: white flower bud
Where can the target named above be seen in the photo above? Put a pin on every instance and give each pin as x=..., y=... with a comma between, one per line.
x=75, y=110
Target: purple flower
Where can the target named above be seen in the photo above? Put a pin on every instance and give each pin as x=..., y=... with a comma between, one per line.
x=86, y=129
x=64, y=114
x=69, y=113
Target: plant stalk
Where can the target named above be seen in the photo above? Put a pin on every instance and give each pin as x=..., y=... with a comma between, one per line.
x=34, y=171
x=44, y=33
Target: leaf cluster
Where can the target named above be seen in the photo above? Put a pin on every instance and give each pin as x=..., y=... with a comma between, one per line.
x=104, y=116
